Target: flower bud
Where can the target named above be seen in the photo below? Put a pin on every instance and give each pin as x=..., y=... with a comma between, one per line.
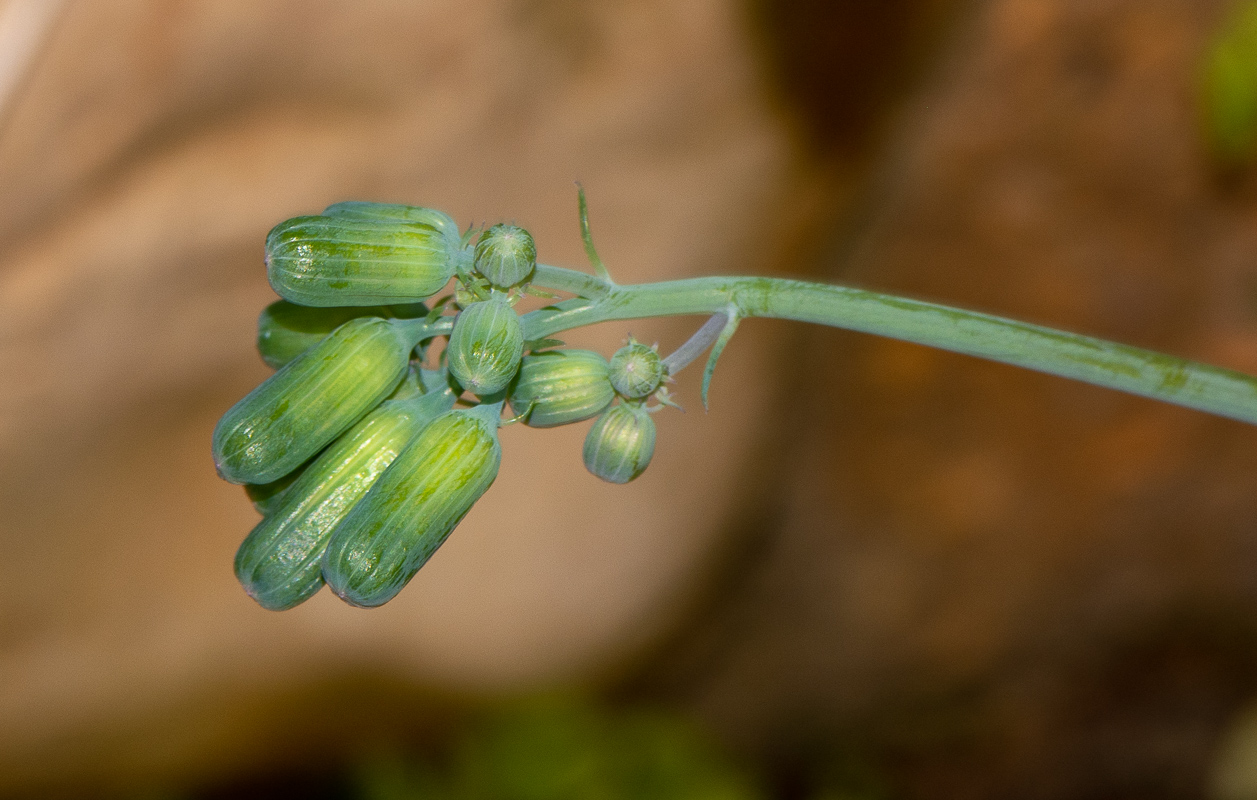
x=395, y=212
x=505, y=255
x=561, y=386
x=297, y=411
x=485, y=346
x=351, y=261
x=280, y=562
x=636, y=370
x=619, y=445
x=266, y=497
x=380, y=545
x=286, y=330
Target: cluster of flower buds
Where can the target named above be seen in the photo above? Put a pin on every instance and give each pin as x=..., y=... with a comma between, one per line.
x=361, y=455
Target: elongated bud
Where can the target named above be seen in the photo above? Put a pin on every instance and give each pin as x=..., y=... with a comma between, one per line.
x=505, y=255
x=561, y=386
x=619, y=446
x=636, y=370
x=266, y=497
x=297, y=411
x=486, y=346
x=280, y=562
x=395, y=212
x=380, y=545
x=350, y=261
x=286, y=330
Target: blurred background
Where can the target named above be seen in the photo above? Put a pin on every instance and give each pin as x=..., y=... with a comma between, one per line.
x=872, y=571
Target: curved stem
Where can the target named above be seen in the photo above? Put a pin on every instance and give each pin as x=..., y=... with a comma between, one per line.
x=1131, y=369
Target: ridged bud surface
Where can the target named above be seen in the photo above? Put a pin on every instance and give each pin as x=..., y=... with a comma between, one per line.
x=620, y=444
x=561, y=386
x=286, y=330
x=266, y=497
x=505, y=255
x=280, y=562
x=395, y=212
x=346, y=260
x=636, y=370
x=380, y=545
x=297, y=411
x=485, y=346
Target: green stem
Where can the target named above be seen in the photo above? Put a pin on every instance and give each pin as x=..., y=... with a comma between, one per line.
x=1116, y=366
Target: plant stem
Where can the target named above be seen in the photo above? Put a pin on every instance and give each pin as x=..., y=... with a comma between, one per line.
x=1130, y=369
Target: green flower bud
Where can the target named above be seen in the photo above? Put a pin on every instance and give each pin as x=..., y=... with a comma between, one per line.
x=395, y=212
x=297, y=411
x=380, y=545
x=286, y=330
x=280, y=562
x=349, y=261
x=619, y=445
x=636, y=370
x=266, y=497
x=561, y=386
x=486, y=346
x=505, y=255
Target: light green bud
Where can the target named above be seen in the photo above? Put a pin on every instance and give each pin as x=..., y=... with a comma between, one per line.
x=636, y=370
x=286, y=330
x=350, y=261
x=561, y=386
x=505, y=255
x=395, y=212
x=485, y=346
x=380, y=545
x=280, y=562
x=299, y=410
x=620, y=444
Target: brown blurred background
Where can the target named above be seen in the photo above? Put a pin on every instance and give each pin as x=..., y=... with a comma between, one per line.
x=961, y=579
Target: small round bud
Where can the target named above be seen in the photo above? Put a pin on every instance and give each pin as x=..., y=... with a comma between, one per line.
x=486, y=346
x=347, y=260
x=561, y=386
x=619, y=445
x=427, y=490
x=299, y=410
x=505, y=255
x=636, y=370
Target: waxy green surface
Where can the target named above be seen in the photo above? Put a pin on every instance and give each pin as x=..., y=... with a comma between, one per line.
x=380, y=545
x=636, y=370
x=619, y=446
x=299, y=410
x=286, y=330
x=485, y=346
x=280, y=562
x=505, y=256
x=384, y=212
x=560, y=386
x=346, y=260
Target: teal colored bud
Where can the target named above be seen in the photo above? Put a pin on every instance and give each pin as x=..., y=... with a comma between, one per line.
x=505, y=255
x=561, y=386
x=485, y=346
x=299, y=410
x=280, y=562
x=266, y=497
x=380, y=545
x=619, y=446
x=286, y=330
x=636, y=370
x=395, y=212
x=350, y=261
